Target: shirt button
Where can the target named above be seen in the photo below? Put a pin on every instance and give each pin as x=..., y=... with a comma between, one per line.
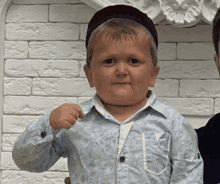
x=122, y=159
x=43, y=134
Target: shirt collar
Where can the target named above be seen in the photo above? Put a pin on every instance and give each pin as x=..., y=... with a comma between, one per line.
x=95, y=102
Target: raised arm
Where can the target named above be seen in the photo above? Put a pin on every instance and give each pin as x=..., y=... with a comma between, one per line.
x=35, y=150
x=43, y=142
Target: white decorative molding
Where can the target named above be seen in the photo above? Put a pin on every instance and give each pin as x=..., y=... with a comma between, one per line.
x=179, y=13
x=209, y=8
x=98, y=4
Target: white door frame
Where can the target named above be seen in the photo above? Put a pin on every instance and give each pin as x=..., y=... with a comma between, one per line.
x=4, y=5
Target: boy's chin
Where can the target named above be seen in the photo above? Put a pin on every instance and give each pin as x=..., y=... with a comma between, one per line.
x=121, y=100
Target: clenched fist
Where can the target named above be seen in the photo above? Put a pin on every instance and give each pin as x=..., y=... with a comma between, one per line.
x=65, y=116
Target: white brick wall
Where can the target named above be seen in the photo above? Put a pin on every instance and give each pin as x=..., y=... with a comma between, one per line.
x=44, y=57
x=16, y=49
x=57, y=50
x=26, y=13
x=70, y=13
x=42, y=31
x=42, y=68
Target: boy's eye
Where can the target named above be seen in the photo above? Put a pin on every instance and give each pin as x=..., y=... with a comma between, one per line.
x=131, y=60
x=134, y=61
x=108, y=61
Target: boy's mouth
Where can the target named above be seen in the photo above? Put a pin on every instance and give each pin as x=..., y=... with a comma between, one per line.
x=124, y=83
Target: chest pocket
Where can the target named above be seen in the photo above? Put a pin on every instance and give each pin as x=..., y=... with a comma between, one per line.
x=156, y=148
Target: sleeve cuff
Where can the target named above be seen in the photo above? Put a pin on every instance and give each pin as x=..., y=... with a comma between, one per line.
x=53, y=131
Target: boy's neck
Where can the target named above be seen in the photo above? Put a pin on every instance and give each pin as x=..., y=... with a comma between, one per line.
x=123, y=112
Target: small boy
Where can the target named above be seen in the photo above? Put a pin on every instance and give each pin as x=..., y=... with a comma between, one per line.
x=123, y=134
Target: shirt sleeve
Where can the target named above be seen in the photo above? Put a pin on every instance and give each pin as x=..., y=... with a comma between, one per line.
x=187, y=163
x=39, y=147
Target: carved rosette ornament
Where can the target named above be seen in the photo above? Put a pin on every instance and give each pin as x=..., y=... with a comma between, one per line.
x=180, y=13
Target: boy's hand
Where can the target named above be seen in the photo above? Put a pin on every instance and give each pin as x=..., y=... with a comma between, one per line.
x=65, y=116
x=67, y=180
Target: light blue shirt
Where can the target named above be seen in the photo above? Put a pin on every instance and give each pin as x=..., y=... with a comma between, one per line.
x=153, y=146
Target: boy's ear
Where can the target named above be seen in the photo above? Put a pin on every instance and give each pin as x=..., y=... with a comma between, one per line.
x=154, y=74
x=88, y=73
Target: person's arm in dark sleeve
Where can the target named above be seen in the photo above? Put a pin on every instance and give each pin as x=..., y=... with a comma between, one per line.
x=209, y=138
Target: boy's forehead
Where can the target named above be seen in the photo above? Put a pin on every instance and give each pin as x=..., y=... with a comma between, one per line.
x=110, y=34
x=106, y=47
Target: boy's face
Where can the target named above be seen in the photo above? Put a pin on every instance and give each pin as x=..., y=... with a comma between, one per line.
x=121, y=71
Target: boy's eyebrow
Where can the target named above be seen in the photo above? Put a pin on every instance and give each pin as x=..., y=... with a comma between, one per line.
x=110, y=55
x=106, y=56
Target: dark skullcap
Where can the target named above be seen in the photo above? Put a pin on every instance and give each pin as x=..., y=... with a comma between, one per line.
x=121, y=11
x=216, y=29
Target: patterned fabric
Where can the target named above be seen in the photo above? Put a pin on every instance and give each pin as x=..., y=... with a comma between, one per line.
x=154, y=146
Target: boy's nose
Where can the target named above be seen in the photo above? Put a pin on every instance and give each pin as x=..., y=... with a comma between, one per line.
x=121, y=69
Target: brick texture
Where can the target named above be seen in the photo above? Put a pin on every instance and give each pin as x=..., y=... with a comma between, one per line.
x=57, y=50
x=42, y=68
x=83, y=30
x=32, y=2
x=17, y=86
x=167, y=51
x=62, y=87
x=64, y=13
x=195, y=51
x=16, y=49
x=169, y=33
x=82, y=73
x=191, y=106
x=33, y=105
x=188, y=70
x=200, y=88
x=42, y=31
x=16, y=124
x=217, y=106
x=166, y=88
x=27, y=13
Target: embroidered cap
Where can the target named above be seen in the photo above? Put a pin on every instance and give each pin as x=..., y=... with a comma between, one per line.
x=121, y=11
